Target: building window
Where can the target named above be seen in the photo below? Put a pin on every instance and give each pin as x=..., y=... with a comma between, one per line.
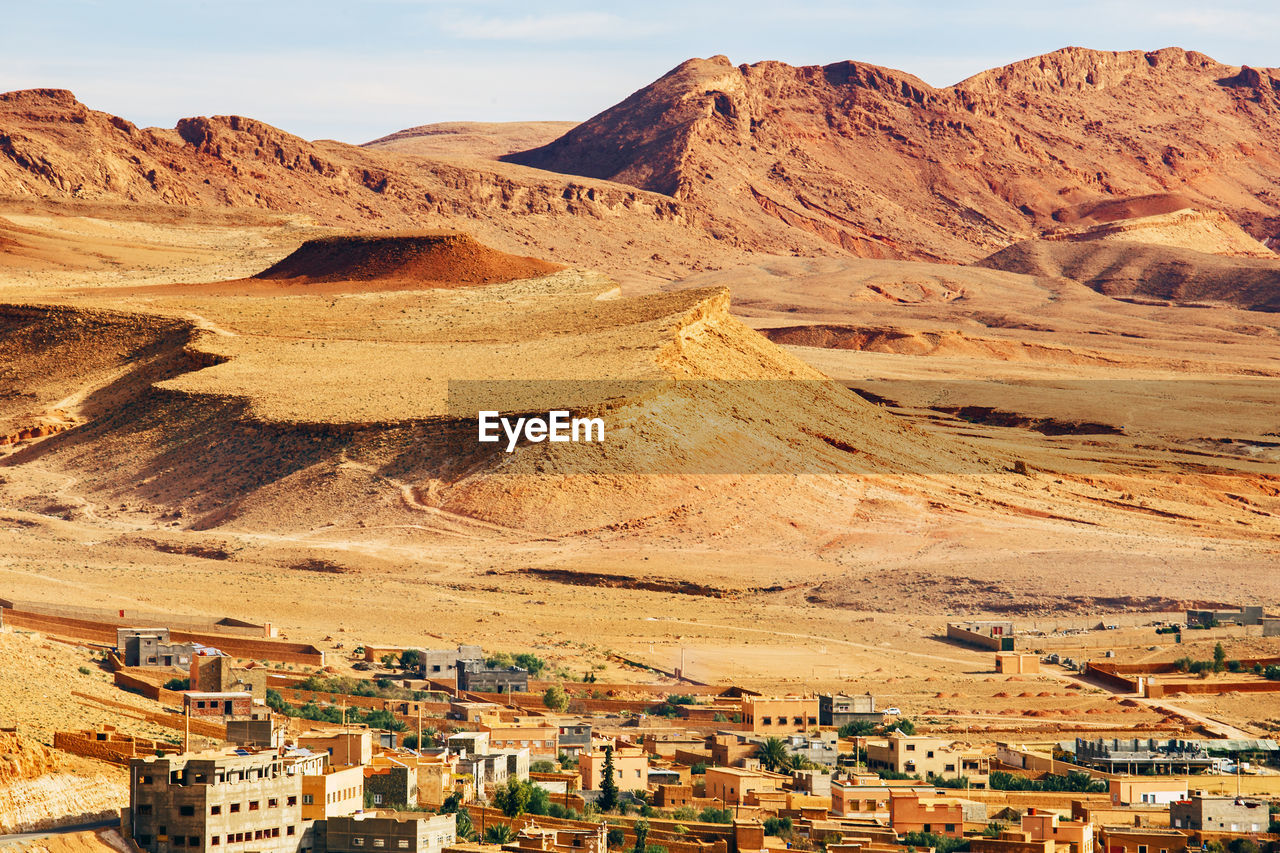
x=147, y=780
x=215, y=809
x=289, y=830
x=292, y=801
x=403, y=844
x=187, y=811
x=215, y=841
x=253, y=805
x=379, y=842
x=813, y=721
x=193, y=841
x=911, y=747
x=357, y=842
x=144, y=840
x=235, y=807
x=179, y=840
x=307, y=799
x=144, y=808
x=951, y=827
x=767, y=721
x=1142, y=848
x=273, y=803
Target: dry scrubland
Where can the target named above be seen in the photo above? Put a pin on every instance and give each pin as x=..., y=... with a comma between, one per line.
x=1064, y=376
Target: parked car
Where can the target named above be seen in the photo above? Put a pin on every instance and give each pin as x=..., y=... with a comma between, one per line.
x=893, y=712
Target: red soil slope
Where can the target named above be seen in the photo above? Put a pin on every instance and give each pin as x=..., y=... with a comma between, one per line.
x=881, y=164
x=441, y=259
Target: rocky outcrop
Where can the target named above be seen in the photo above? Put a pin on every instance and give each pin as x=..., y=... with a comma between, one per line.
x=878, y=163
x=38, y=790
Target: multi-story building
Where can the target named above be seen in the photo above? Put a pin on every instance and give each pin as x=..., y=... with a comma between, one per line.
x=776, y=715
x=1039, y=825
x=332, y=793
x=345, y=747
x=389, y=833
x=442, y=664
x=475, y=677
x=731, y=785
x=630, y=768
x=909, y=812
x=574, y=737
x=921, y=756
x=531, y=733
x=238, y=803
x=840, y=710
x=152, y=647
x=1141, y=839
x=1135, y=790
x=1204, y=813
x=221, y=706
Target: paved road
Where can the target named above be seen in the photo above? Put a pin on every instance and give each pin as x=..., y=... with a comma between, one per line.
x=18, y=837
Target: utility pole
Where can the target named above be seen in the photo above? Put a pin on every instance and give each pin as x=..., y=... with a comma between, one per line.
x=186, y=728
x=419, y=727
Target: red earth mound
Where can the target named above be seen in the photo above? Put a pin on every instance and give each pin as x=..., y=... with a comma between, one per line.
x=1113, y=210
x=435, y=259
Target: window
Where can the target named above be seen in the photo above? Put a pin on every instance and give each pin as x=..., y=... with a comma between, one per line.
x=911, y=747
x=144, y=808
x=215, y=841
x=253, y=805
x=144, y=840
x=292, y=801
x=379, y=842
x=929, y=754
x=147, y=780
x=179, y=840
x=813, y=721
x=193, y=841
x=377, y=800
x=163, y=830
x=307, y=800
x=797, y=721
x=928, y=827
x=187, y=811
x=235, y=807
x=357, y=842
x=289, y=830
x=767, y=721
x=215, y=809
x=273, y=803
x=275, y=832
x=1142, y=848
x=951, y=827
x=403, y=844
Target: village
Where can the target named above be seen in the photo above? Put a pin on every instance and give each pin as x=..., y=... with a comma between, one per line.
x=344, y=746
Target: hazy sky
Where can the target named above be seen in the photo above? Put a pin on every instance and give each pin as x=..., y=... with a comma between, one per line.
x=357, y=70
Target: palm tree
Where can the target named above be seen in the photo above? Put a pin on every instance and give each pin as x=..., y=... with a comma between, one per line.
x=773, y=754
x=466, y=830
x=499, y=833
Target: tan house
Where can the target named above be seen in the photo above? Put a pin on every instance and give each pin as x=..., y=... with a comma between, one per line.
x=1039, y=825
x=921, y=756
x=337, y=791
x=346, y=747
x=777, y=715
x=630, y=768
x=731, y=785
x=938, y=815
x=1135, y=790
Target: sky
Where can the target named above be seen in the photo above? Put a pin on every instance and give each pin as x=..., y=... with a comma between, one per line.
x=354, y=71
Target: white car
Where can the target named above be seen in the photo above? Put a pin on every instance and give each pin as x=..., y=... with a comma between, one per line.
x=893, y=712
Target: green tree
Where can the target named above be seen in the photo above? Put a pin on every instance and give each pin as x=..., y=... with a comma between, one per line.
x=780, y=826
x=608, y=785
x=616, y=837
x=542, y=766
x=499, y=833
x=534, y=664
x=410, y=659
x=905, y=726
x=1219, y=657
x=773, y=754
x=466, y=829
x=513, y=798
x=555, y=698
x=858, y=728
x=179, y=684
x=714, y=815
x=641, y=830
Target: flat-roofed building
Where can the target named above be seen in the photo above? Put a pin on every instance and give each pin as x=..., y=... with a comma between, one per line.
x=390, y=832
x=774, y=715
x=334, y=792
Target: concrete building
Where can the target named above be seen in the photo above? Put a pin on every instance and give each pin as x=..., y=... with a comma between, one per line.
x=256, y=731
x=861, y=802
x=1138, y=755
x=467, y=743
x=574, y=737
x=553, y=840
x=213, y=801
x=1040, y=825
x=345, y=747
x=731, y=785
x=839, y=710
x=1134, y=839
x=217, y=673
x=994, y=635
x=928, y=756
x=531, y=733
x=442, y=664
x=1204, y=813
x=1017, y=664
x=1249, y=615
x=1134, y=790
x=220, y=705
x=630, y=769
x=152, y=647
x=910, y=812
x=389, y=783
x=766, y=715
x=475, y=677
x=332, y=793
x=392, y=833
